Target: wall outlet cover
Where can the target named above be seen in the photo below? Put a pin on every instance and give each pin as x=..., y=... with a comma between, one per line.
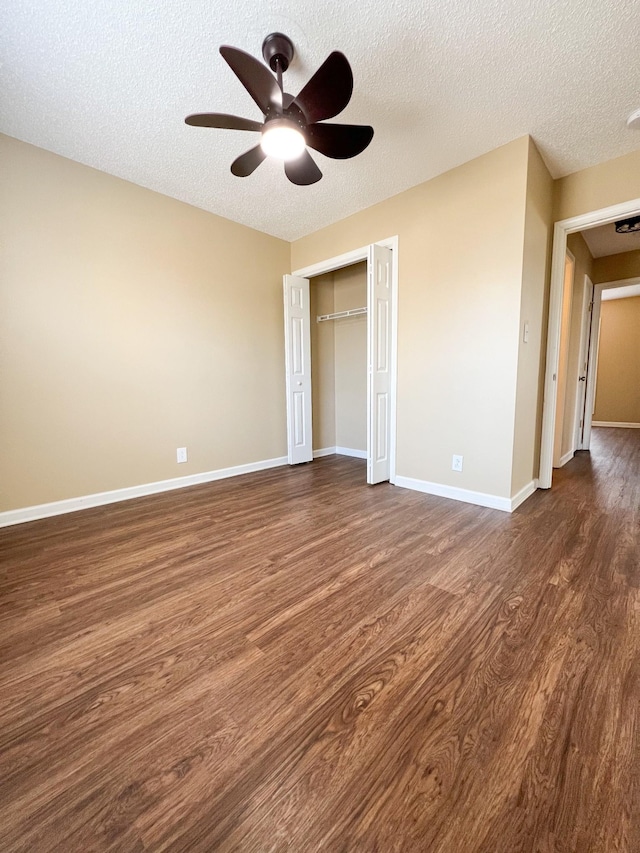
x=181, y=454
x=456, y=462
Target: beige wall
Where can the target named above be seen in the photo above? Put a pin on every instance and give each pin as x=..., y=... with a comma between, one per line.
x=323, y=363
x=535, y=270
x=616, y=267
x=461, y=243
x=599, y=186
x=350, y=291
x=618, y=380
x=130, y=324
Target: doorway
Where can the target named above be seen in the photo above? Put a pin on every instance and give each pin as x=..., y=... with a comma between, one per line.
x=381, y=260
x=562, y=230
x=614, y=385
x=339, y=362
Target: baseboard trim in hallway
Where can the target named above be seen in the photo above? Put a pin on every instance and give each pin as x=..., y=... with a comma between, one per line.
x=622, y=424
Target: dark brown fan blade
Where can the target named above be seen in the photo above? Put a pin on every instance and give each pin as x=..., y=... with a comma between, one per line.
x=329, y=90
x=255, y=77
x=222, y=120
x=339, y=141
x=303, y=170
x=248, y=162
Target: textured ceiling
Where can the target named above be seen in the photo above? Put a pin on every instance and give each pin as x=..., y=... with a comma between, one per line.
x=109, y=82
x=605, y=240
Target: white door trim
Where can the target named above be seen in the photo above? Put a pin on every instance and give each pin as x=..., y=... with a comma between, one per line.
x=623, y=282
x=353, y=257
x=335, y=263
x=594, y=344
x=560, y=233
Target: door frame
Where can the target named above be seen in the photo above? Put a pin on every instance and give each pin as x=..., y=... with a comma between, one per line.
x=594, y=344
x=353, y=257
x=561, y=231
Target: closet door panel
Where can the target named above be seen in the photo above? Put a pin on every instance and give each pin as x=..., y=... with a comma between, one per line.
x=379, y=363
x=298, y=369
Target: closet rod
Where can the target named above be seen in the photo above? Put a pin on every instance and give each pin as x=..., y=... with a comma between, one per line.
x=352, y=312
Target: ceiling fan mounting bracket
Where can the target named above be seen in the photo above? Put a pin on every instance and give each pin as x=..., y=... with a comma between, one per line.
x=277, y=49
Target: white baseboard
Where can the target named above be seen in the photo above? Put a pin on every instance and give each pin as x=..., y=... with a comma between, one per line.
x=468, y=496
x=524, y=493
x=32, y=513
x=564, y=459
x=455, y=493
x=350, y=451
x=615, y=424
x=341, y=451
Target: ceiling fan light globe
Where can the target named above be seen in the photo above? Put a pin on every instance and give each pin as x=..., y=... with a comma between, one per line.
x=283, y=140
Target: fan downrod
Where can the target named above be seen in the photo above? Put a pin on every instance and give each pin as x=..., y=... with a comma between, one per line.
x=277, y=50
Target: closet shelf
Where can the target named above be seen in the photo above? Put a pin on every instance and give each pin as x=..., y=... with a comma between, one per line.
x=352, y=312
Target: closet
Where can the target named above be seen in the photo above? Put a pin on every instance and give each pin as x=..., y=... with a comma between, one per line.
x=343, y=325
x=338, y=311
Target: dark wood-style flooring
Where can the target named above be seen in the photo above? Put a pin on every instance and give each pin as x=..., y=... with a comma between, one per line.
x=294, y=661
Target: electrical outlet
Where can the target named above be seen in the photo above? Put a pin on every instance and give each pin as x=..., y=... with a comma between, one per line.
x=181, y=454
x=456, y=463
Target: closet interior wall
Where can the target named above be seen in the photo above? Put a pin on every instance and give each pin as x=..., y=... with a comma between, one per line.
x=339, y=360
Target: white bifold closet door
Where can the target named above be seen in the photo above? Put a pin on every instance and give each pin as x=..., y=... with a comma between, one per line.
x=379, y=364
x=298, y=366
x=297, y=341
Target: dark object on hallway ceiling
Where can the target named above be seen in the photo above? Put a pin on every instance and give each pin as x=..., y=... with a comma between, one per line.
x=627, y=226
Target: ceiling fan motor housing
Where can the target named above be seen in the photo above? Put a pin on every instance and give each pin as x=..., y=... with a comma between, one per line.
x=277, y=48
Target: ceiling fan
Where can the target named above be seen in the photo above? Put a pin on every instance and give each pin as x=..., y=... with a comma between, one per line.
x=291, y=123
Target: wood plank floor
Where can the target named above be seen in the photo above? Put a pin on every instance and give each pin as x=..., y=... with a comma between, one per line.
x=294, y=661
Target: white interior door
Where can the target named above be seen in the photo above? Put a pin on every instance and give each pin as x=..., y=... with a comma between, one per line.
x=583, y=364
x=592, y=368
x=297, y=343
x=379, y=364
x=559, y=452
